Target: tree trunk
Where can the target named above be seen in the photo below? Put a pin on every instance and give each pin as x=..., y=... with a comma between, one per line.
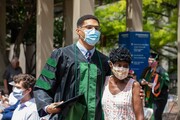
x=3, y=56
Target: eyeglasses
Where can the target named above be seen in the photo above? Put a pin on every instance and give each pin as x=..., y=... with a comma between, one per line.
x=91, y=27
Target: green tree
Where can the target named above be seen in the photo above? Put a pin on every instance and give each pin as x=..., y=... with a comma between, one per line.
x=113, y=20
x=159, y=18
x=21, y=27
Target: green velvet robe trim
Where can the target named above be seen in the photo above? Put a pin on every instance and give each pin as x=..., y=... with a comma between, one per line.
x=163, y=79
x=43, y=84
x=76, y=112
x=52, y=62
x=48, y=74
x=165, y=76
x=148, y=90
x=88, y=78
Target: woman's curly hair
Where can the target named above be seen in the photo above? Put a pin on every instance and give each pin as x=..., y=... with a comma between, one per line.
x=120, y=54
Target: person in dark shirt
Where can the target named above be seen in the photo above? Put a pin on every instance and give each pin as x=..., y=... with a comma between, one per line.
x=11, y=70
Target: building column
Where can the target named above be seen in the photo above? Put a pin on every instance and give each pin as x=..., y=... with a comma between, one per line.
x=72, y=11
x=44, y=37
x=134, y=15
x=2, y=35
x=178, y=68
x=2, y=20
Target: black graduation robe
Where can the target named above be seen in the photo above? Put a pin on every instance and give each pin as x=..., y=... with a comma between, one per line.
x=68, y=74
x=162, y=85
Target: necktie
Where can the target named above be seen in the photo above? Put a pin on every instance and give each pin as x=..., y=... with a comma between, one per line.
x=22, y=106
x=88, y=55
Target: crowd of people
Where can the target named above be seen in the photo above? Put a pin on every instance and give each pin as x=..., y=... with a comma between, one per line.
x=78, y=82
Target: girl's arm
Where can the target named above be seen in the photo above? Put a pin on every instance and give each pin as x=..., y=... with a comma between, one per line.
x=137, y=101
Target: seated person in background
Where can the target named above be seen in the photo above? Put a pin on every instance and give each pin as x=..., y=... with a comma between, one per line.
x=7, y=101
x=23, y=91
x=12, y=69
x=6, y=114
x=1, y=100
x=9, y=105
x=11, y=99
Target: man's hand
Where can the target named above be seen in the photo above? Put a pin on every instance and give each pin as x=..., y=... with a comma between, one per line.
x=144, y=82
x=52, y=108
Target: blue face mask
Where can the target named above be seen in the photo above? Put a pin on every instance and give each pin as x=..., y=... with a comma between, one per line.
x=91, y=36
x=18, y=93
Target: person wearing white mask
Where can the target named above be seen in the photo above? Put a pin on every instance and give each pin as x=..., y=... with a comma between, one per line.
x=10, y=100
x=120, y=100
x=23, y=91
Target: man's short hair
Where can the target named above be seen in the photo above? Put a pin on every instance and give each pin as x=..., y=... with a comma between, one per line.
x=86, y=17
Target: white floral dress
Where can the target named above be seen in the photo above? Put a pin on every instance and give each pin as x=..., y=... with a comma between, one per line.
x=119, y=106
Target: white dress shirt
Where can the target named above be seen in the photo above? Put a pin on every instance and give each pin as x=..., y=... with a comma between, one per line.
x=84, y=50
x=26, y=111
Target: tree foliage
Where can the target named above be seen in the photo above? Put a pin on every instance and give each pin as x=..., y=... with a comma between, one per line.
x=58, y=32
x=113, y=20
x=21, y=23
x=159, y=18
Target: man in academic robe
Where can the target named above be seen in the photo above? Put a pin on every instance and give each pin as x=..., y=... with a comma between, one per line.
x=70, y=72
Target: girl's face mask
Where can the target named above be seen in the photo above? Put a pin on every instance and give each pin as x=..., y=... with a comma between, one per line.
x=120, y=72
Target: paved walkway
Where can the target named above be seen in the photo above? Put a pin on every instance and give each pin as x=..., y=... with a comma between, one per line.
x=171, y=109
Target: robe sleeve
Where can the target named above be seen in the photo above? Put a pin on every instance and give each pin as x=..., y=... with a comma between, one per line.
x=44, y=89
x=163, y=79
x=143, y=75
